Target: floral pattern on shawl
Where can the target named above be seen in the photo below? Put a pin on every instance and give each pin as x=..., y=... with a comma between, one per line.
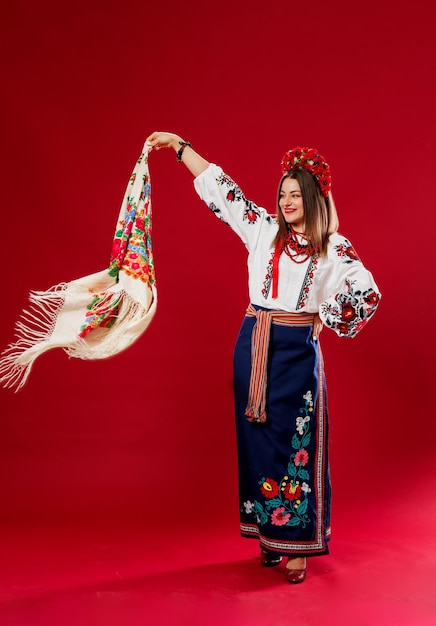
x=131, y=249
x=131, y=253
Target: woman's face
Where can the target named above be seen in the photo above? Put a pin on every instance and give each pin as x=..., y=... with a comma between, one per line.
x=291, y=204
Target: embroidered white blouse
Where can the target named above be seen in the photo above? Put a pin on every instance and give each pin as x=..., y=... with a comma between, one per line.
x=336, y=286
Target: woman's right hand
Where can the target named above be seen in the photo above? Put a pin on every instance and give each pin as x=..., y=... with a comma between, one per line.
x=193, y=161
x=160, y=140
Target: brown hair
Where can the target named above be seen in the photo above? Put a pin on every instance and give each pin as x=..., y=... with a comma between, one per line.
x=316, y=211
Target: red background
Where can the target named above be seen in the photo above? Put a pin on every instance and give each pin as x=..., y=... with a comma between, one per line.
x=148, y=436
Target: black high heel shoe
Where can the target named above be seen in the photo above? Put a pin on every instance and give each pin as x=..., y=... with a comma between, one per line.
x=269, y=560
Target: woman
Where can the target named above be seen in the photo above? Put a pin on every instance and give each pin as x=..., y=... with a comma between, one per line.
x=302, y=274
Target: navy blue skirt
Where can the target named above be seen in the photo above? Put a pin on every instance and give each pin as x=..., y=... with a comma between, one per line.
x=284, y=479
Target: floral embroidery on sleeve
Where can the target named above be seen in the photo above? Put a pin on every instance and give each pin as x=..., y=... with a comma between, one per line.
x=346, y=252
x=217, y=211
x=235, y=194
x=252, y=213
x=347, y=313
x=285, y=503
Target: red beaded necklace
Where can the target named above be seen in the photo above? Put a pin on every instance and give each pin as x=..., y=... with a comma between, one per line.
x=293, y=248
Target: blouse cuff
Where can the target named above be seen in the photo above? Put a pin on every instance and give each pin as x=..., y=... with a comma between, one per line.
x=347, y=313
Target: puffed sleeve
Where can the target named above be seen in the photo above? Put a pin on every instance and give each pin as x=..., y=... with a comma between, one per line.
x=226, y=200
x=351, y=294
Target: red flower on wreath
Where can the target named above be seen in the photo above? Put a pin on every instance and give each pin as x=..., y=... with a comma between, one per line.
x=292, y=492
x=269, y=488
x=311, y=160
x=231, y=195
x=251, y=215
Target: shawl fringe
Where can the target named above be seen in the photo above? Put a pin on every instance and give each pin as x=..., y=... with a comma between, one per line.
x=33, y=329
x=37, y=329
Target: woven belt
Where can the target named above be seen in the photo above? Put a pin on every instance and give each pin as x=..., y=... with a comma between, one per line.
x=255, y=410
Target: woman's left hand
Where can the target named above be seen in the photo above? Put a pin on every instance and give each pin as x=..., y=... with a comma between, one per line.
x=317, y=327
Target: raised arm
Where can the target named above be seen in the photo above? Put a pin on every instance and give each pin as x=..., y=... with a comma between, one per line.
x=193, y=161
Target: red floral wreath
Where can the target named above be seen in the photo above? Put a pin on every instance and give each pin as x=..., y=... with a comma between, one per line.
x=311, y=160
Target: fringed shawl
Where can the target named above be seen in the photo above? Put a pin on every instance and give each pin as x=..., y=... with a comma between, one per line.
x=101, y=314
